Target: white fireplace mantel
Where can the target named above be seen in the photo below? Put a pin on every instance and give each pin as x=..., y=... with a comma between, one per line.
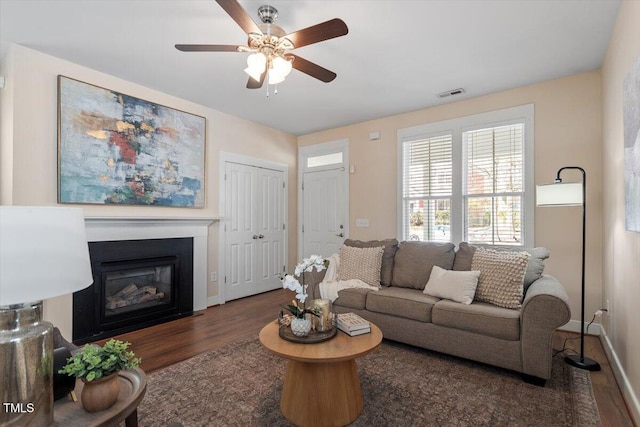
x=103, y=228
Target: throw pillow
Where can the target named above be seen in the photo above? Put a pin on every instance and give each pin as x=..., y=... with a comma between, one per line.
x=390, y=248
x=414, y=261
x=458, y=286
x=360, y=263
x=501, y=280
x=535, y=266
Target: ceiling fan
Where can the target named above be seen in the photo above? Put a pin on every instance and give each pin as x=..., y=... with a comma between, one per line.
x=270, y=45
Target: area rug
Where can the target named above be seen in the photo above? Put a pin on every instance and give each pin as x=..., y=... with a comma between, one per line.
x=240, y=385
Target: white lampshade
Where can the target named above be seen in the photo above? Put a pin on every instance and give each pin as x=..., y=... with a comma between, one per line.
x=280, y=68
x=43, y=253
x=559, y=194
x=256, y=64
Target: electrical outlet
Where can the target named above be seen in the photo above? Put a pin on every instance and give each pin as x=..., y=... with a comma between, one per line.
x=214, y=276
x=608, y=307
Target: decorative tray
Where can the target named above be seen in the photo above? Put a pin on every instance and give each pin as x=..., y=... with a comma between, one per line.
x=313, y=336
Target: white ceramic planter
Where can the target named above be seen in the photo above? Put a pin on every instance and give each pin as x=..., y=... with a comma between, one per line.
x=300, y=327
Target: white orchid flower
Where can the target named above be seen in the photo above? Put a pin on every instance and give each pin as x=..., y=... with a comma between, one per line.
x=291, y=283
x=302, y=297
x=307, y=265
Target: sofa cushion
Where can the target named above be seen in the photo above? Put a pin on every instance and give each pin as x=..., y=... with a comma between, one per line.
x=535, y=266
x=402, y=302
x=360, y=263
x=501, y=276
x=390, y=248
x=414, y=260
x=353, y=298
x=478, y=317
x=458, y=286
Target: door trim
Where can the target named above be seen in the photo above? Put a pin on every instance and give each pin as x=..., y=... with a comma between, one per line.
x=339, y=145
x=226, y=157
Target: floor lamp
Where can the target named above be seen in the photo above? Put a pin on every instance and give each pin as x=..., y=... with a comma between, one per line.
x=571, y=194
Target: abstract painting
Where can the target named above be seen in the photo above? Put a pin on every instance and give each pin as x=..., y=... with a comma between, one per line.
x=117, y=149
x=631, y=114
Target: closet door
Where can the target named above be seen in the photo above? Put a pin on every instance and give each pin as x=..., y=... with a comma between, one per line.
x=254, y=230
x=241, y=232
x=270, y=216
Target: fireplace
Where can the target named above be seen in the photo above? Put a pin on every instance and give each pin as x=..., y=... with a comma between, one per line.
x=137, y=283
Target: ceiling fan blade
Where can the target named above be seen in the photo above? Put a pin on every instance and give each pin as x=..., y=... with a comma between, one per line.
x=317, y=33
x=207, y=47
x=314, y=70
x=252, y=84
x=238, y=14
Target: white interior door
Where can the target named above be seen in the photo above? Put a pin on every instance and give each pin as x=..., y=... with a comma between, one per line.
x=270, y=242
x=254, y=230
x=240, y=227
x=325, y=212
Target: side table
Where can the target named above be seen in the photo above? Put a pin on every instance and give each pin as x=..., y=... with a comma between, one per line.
x=133, y=385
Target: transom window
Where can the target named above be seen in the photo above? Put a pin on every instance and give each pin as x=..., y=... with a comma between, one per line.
x=469, y=179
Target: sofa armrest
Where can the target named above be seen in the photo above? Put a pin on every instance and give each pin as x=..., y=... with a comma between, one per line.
x=313, y=279
x=544, y=309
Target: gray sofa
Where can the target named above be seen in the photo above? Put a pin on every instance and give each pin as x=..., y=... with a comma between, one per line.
x=515, y=339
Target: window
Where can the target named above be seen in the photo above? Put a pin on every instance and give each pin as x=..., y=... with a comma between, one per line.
x=324, y=160
x=427, y=189
x=494, y=184
x=468, y=179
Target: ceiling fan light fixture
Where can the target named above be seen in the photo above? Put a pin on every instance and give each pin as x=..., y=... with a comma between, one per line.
x=279, y=69
x=280, y=66
x=256, y=64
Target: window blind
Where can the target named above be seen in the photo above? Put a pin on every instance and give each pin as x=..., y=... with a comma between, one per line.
x=494, y=184
x=427, y=187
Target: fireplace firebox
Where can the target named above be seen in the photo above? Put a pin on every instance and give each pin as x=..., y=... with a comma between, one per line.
x=136, y=283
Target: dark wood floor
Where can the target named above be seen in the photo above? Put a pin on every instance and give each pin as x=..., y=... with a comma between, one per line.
x=162, y=345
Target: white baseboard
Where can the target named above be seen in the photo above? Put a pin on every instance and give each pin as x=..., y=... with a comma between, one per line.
x=214, y=300
x=574, y=326
x=630, y=397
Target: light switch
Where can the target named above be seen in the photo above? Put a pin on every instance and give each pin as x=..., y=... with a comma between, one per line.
x=362, y=222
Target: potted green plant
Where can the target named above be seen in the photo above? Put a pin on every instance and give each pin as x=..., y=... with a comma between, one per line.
x=97, y=367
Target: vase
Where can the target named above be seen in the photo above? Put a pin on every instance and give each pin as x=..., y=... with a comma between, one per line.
x=101, y=394
x=300, y=327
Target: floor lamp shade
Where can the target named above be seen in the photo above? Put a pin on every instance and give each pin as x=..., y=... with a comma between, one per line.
x=559, y=194
x=43, y=254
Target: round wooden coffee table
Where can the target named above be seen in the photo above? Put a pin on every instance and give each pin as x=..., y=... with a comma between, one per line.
x=321, y=385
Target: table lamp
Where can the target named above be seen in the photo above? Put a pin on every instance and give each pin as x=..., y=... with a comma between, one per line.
x=571, y=194
x=43, y=254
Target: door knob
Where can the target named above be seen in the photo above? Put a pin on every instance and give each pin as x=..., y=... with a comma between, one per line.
x=261, y=236
x=340, y=235
x=255, y=236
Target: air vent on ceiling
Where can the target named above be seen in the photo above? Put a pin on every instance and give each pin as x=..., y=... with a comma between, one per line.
x=452, y=92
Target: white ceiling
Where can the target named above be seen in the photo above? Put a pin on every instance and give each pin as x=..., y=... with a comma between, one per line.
x=397, y=56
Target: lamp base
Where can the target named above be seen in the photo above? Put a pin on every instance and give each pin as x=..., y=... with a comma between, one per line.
x=26, y=349
x=582, y=363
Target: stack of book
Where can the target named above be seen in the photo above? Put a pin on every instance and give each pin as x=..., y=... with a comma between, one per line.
x=352, y=324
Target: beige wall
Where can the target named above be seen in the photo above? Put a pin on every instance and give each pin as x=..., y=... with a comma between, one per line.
x=621, y=252
x=28, y=142
x=567, y=132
